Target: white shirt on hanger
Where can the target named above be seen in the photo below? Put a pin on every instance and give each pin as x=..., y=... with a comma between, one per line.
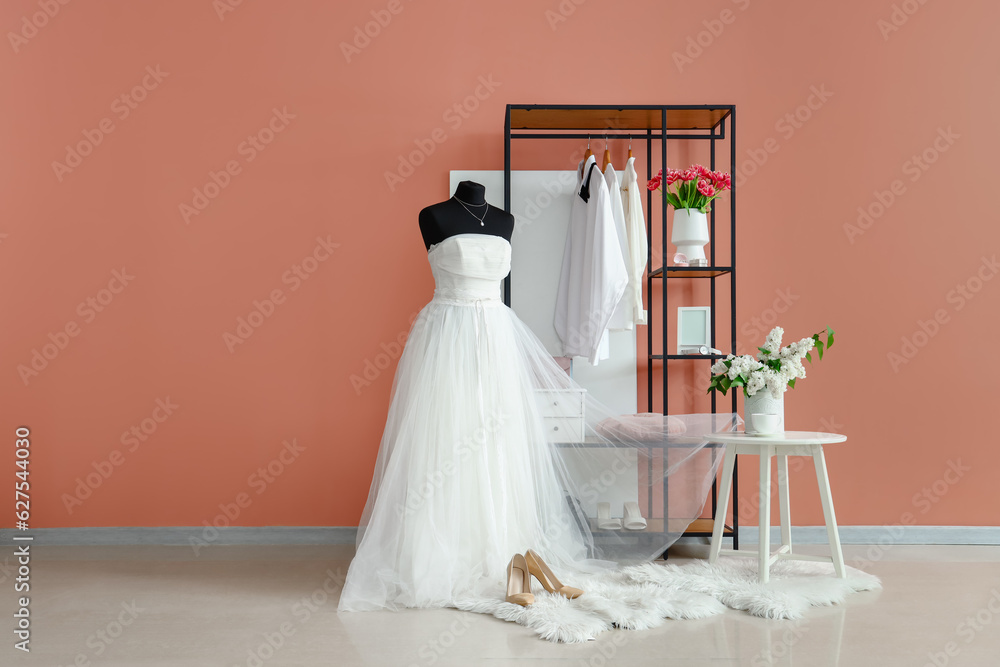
x=623, y=317
x=594, y=277
x=635, y=226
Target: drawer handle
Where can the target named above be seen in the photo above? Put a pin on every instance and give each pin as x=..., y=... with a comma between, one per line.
x=555, y=402
x=555, y=428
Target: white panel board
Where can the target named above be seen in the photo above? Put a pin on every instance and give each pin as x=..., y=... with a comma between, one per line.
x=540, y=201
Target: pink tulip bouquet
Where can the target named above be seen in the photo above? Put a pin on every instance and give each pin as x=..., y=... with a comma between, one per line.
x=694, y=187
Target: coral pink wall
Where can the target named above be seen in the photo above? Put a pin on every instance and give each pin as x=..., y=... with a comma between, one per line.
x=134, y=286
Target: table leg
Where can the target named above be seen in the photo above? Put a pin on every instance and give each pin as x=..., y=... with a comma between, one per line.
x=783, y=504
x=819, y=461
x=764, y=520
x=728, y=460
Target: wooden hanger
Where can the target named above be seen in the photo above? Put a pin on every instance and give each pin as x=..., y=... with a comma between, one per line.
x=607, y=154
x=586, y=156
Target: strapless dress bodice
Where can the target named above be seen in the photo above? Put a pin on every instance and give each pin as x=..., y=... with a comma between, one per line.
x=468, y=268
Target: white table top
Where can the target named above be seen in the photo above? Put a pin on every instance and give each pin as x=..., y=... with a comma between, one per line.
x=786, y=438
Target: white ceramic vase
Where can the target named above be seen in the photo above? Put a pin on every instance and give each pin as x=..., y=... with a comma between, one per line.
x=763, y=402
x=690, y=233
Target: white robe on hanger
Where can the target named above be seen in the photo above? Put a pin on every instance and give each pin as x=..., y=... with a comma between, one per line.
x=594, y=277
x=635, y=226
x=623, y=317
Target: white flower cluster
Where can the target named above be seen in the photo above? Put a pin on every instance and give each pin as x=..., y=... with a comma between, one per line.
x=773, y=341
x=738, y=366
x=758, y=375
x=797, y=350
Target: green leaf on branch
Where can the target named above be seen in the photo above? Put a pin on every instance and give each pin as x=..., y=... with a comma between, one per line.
x=791, y=383
x=809, y=357
x=764, y=350
x=819, y=349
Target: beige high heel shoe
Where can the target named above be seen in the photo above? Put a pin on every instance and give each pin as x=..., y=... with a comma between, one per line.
x=542, y=572
x=519, y=582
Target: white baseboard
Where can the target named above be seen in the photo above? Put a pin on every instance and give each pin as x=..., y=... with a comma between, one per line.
x=882, y=535
x=324, y=535
x=186, y=535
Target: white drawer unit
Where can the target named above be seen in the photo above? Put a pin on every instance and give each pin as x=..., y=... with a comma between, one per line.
x=560, y=402
x=562, y=412
x=564, y=429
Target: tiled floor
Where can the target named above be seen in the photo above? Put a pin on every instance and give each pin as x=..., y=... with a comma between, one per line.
x=276, y=606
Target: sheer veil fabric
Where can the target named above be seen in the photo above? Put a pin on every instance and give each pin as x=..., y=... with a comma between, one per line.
x=490, y=448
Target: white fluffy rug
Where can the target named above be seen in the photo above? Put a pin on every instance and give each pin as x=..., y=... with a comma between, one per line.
x=644, y=596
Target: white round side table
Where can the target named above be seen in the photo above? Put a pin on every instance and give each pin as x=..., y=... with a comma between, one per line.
x=781, y=445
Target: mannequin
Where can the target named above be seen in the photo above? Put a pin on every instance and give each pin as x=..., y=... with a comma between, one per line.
x=451, y=217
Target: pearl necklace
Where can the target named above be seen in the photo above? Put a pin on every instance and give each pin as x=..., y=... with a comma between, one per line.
x=466, y=207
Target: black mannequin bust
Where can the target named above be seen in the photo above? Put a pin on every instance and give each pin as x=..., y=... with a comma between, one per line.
x=465, y=213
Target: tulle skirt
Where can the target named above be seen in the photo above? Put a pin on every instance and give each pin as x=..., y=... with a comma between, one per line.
x=490, y=448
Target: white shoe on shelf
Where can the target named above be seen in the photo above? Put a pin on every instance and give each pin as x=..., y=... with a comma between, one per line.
x=604, y=520
x=631, y=517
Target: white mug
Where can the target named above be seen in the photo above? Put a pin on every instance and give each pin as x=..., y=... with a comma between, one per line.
x=764, y=423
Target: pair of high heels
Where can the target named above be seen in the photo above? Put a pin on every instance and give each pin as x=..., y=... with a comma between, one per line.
x=519, y=572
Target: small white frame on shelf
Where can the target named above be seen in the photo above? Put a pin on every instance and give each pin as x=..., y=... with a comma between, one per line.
x=694, y=328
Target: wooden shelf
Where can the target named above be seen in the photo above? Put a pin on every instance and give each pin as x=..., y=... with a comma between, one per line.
x=698, y=528
x=688, y=356
x=628, y=117
x=691, y=272
x=701, y=527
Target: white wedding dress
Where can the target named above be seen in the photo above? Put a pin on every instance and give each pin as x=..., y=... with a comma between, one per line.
x=468, y=472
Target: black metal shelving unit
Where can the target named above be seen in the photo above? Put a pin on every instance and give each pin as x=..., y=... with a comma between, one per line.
x=655, y=124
